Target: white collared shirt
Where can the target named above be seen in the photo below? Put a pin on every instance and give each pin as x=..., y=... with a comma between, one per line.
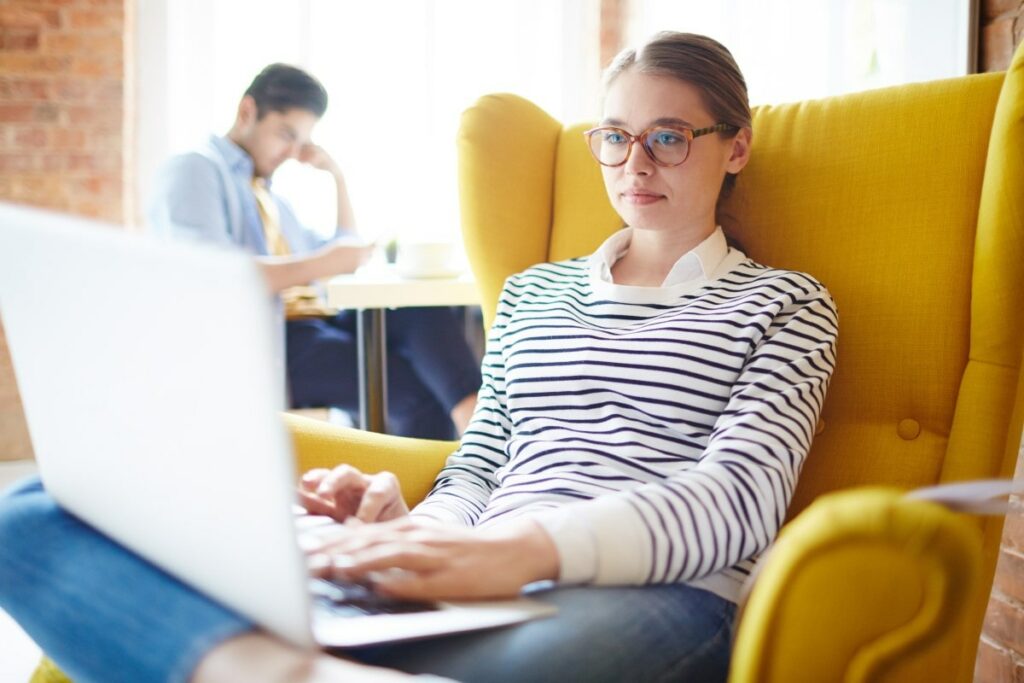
x=702, y=264
x=698, y=263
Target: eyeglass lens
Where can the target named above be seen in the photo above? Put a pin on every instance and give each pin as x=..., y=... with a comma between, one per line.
x=611, y=146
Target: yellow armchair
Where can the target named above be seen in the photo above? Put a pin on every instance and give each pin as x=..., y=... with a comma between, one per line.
x=908, y=203
x=415, y=461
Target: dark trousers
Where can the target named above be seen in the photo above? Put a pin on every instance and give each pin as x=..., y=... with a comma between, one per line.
x=430, y=367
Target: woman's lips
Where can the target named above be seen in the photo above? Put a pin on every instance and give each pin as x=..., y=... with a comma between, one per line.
x=640, y=198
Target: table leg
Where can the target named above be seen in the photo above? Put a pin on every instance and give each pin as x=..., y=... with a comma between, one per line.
x=373, y=385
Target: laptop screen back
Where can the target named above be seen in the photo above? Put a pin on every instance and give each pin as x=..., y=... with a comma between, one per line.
x=151, y=387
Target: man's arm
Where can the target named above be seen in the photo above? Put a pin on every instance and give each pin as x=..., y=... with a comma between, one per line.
x=282, y=272
x=189, y=202
x=318, y=158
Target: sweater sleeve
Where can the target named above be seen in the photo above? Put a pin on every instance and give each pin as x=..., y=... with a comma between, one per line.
x=728, y=507
x=464, y=486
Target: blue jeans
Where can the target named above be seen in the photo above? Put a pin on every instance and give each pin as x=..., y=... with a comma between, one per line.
x=430, y=367
x=103, y=614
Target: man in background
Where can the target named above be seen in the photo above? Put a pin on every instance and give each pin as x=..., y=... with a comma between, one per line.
x=221, y=193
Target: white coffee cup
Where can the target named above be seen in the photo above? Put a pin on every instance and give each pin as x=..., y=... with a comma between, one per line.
x=425, y=259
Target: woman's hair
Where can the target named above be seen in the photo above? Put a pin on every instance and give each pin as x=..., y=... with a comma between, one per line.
x=700, y=61
x=280, y=87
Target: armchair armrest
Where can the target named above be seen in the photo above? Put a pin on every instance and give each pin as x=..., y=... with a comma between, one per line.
x=858, y=586
x=416, y=462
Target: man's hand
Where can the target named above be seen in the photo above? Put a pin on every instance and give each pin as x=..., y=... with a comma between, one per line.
x=421, y=559
x=339, y=258
x=282, y=272
x=317, y=157
x=345, y=492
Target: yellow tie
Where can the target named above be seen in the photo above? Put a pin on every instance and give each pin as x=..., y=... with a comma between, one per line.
x=271, y=219
x=299, y=302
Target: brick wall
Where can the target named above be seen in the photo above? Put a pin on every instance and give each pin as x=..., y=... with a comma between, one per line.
x=62, y=105
x=1001, y=650
x=614, y=15
x=62, y=129
x=1001, y=30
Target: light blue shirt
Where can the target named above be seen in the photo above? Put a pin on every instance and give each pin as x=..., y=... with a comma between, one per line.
x=207, y=195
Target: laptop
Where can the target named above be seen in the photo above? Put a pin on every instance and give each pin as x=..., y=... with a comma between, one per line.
x=150, y=383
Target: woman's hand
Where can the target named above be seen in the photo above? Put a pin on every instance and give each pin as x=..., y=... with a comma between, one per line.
x=345, y=492
x=421, y=559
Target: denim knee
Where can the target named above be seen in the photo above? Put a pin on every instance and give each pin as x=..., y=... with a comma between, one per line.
x=20, y=514
x=99, y=611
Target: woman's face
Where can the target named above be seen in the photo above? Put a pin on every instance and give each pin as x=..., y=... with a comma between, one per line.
x=652, y=197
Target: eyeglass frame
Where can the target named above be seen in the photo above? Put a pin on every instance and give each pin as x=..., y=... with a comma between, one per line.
x=689, y=133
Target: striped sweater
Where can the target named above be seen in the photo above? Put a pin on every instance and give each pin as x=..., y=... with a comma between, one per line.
x=656, y=433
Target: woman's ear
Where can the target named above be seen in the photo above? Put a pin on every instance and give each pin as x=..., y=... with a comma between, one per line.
x=740, y=152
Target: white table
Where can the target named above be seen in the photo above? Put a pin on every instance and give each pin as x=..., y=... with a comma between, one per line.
x=370, y=292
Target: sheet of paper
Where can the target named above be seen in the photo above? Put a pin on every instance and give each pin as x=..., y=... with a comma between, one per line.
x=984, y=496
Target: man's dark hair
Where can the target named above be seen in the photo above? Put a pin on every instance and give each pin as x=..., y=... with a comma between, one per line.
x=280, y=87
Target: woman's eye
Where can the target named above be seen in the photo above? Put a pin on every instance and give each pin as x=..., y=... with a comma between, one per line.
x=613, y=138
x=666, y=138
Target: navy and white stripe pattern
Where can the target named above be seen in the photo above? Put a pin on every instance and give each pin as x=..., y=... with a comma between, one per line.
x=656, y=436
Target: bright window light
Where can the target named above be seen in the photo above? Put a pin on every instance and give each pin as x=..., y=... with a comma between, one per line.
x=399, y=73
x=802, y=49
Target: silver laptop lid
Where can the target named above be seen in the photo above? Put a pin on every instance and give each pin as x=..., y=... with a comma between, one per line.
x=148, y=375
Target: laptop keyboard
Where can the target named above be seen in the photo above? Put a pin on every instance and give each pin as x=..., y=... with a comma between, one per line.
x=349, y=599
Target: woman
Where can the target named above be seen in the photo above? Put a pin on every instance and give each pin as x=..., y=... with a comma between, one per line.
x=643, y=419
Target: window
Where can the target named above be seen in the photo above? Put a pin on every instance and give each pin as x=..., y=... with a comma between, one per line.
x=399, y=73
x=802, y=49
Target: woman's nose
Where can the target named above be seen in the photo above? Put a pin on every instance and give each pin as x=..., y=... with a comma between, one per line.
x=638, y=162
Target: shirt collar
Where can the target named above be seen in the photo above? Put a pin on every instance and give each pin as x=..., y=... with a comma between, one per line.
x=698, y=263
x=237, y=159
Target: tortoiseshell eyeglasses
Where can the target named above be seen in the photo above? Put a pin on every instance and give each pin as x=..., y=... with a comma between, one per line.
x=665, y=145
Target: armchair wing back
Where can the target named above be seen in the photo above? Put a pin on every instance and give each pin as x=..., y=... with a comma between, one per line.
x=906, y=202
